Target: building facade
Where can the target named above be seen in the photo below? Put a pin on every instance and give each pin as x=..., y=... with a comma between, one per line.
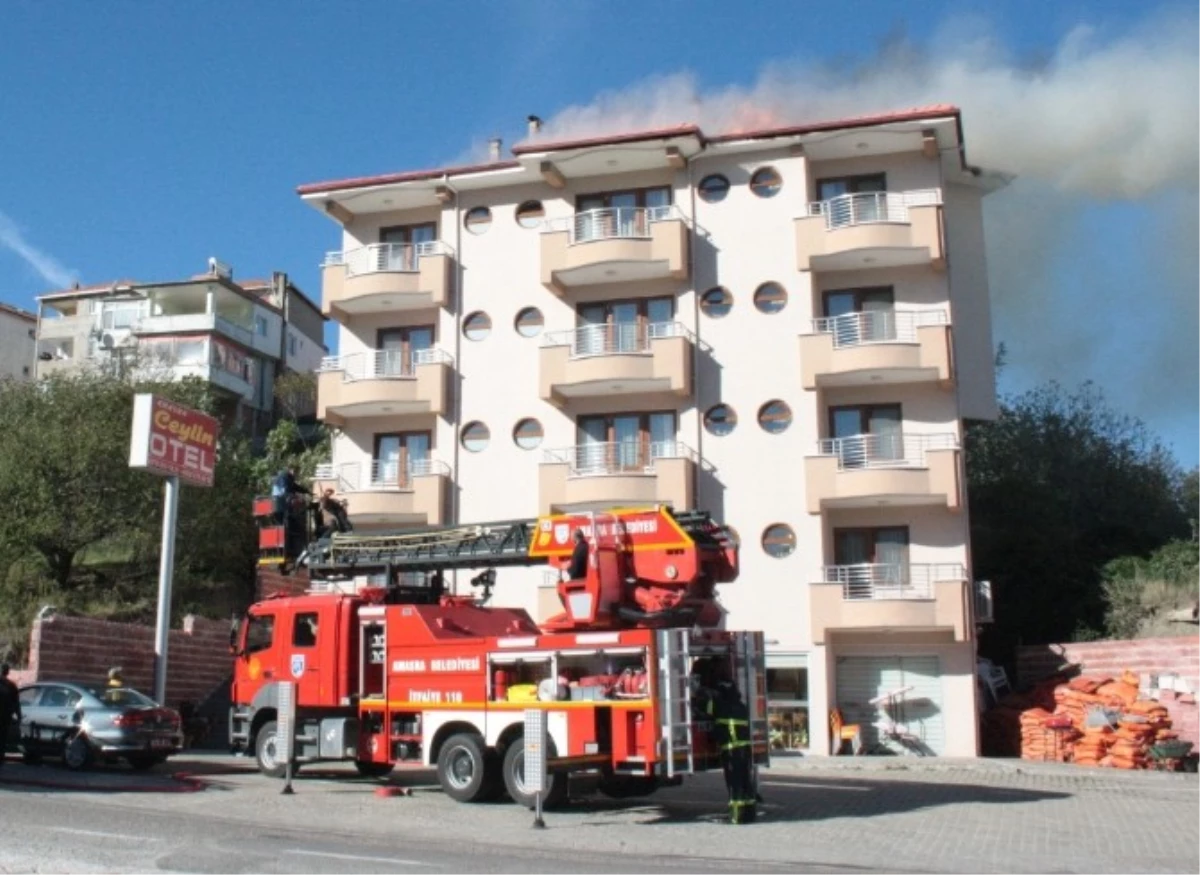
x=18, y=329
x=237, y=336
x=785, y=327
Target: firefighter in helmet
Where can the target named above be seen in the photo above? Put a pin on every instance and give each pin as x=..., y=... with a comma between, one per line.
x=732, y=718
x=116, y=678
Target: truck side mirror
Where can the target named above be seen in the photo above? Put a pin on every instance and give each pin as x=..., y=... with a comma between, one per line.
x=235, y=628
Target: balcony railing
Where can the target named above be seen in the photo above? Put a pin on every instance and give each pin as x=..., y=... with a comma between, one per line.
x=617, y=457
x=194, y=322
x=380, y=474
x=877, y=326
x=382, y=364
x=872, y=207
x=616, y=338
x=386, y=257
x=891, y=581
x=900, y=450
x=612, y=223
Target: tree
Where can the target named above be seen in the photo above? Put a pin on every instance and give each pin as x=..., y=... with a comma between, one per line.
x=1060, y=484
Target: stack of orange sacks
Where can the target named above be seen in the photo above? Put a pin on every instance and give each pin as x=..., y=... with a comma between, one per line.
x=1041, y=739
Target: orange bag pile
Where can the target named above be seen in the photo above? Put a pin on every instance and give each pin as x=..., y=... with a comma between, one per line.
x=1139, y=727
x=1039, y=741
x=1093, y=746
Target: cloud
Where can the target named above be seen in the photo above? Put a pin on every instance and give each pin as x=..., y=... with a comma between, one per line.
x=46, y=266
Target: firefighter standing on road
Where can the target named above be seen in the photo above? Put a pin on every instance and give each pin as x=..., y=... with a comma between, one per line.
x=732, y=718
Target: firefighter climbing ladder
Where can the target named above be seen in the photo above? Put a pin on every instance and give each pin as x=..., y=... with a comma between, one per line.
x=676, y=691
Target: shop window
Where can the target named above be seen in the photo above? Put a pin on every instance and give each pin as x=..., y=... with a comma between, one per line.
x=787, y=709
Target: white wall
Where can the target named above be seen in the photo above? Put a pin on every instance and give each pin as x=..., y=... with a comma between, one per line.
x=16, y=345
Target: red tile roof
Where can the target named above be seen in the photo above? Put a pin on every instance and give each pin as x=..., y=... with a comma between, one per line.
x=409, y=176
x=917, y=113
x=18, y=312
x=606, y=140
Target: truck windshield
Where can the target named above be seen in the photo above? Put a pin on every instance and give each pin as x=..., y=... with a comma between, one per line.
x=260, y=632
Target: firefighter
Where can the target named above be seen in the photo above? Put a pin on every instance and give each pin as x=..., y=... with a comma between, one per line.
x=732, y=718
x=116, y=678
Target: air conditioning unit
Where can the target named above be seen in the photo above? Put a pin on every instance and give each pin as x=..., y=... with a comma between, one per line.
x=107, y=341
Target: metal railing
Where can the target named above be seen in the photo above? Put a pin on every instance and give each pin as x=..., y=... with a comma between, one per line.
x=180, y=322
x=382, y=364
x=381, y=474
x=877, y=326
x=386, y=257
x=612, y=223
x=891, y=581
x=617, y=457
x=872, y=207
x=615, y=338
x=897, y=450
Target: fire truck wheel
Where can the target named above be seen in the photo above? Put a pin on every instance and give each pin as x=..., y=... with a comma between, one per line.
x=514, y=778
x=462, y=767
x=373, y=770
x=266, y=749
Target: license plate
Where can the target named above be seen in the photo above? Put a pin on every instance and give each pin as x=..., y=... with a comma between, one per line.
x=159, y=743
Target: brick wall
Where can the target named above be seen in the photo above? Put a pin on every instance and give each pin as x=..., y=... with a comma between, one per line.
x=1147, y=656
x=83, y=649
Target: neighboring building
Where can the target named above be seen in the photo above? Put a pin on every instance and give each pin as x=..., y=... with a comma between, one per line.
x=236, y=335
x=785, y=327
x=17, y=331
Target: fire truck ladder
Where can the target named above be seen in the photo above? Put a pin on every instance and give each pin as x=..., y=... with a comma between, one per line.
x=675, y=692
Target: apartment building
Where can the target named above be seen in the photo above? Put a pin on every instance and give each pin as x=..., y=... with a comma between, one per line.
x=785, y=327
x=236, y=335
x=17, y=331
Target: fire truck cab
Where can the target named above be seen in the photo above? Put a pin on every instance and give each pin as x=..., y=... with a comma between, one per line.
x=404, y=672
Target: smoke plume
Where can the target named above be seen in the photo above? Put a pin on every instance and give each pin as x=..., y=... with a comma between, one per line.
x=1099, y=124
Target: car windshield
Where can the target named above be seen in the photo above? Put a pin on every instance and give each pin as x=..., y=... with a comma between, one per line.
x=122, y=697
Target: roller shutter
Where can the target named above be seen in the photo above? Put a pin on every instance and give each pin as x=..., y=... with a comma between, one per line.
x=918, y=720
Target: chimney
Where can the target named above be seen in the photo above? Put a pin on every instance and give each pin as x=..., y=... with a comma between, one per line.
x=494, y=145
x=535, y=126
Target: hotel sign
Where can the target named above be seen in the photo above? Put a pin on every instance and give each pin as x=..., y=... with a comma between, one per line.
x=173, y=440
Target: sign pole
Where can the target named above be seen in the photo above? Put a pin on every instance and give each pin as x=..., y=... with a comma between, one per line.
x=166, y=568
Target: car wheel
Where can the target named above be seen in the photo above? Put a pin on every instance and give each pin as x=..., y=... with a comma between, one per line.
x=462, y=767
x=373, y=770
x=77, y=755
x=514, y=778
x=266, y=749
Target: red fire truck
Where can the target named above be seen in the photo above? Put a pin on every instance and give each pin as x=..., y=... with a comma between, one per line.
x=388, y=667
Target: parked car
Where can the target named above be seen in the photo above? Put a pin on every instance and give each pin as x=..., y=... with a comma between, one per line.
x=84, y=722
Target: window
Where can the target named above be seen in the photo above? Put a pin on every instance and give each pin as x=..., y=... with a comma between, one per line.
x=304, y=630
x=885, y=546
x=293, y=344
x=867, y=433
x=619, y=326
x=713, y=188
x=612, y=214
x=862, y=315
x=260, y=325
x=478, y=220
x=477, y=326
x=528, y=434
x=529, y=322
x=766, y=182
x=398, y=456
x=59, y=697
x=406, y=243
x=475, y=437
x=775, y=417
x=853, y=210
x=530, y=213
x=400, y=349
x=834, y=186
x=770, y=298
x=787, y=704
x=260, y=632
x=122, y=314
x=778, y=540
x=716, y=302
x=29, y=695
x=658, y=196
x=625, y=441
x=720, y=419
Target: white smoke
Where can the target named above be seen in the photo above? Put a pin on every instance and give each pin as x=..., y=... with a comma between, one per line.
x=46, y=266
x=1099, y=123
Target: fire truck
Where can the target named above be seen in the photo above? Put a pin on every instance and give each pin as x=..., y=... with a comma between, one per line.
x=389, y=667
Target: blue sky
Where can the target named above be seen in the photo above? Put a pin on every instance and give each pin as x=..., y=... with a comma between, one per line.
x=136, y=140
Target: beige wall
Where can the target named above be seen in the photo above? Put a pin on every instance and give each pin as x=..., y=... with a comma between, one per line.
x=16, y=345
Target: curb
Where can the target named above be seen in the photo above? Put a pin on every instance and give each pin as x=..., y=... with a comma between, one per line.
x=177, y=782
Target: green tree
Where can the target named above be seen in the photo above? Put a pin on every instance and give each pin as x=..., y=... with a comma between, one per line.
x=1060, y=484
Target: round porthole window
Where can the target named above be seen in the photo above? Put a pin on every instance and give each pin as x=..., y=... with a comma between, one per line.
x=713, y=188
x=529, y=322
x=528, y=434
x=766, y=182
x=478, y=220
x=716, y=302
x=770, y=298
x=530, y=214
x=477, y=326
x=775, y=417
x=720, y=419
x=475, y=437
x=778, y=540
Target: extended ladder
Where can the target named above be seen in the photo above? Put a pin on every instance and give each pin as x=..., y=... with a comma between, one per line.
x=675, y=695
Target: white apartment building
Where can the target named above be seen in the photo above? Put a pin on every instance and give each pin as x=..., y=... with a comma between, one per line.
x=784, y=327
x=237, y=336
x=18, y=329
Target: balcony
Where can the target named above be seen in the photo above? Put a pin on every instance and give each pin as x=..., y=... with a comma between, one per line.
x=389, y=494
x=66, y=327
x=386, y=277
x=616, y=359
x=872, y=229
x=196, y=322
x=884, y=346
x=602, y=475
x=383, y=382
x=621, y=244
x=898, y=597
x=884, y=470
